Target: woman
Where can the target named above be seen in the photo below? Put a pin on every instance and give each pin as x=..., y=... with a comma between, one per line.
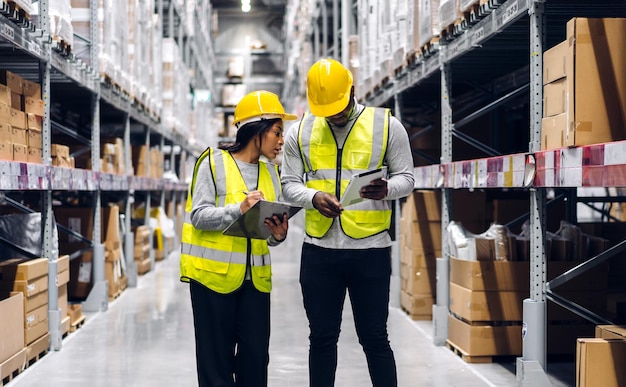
x=230, y=277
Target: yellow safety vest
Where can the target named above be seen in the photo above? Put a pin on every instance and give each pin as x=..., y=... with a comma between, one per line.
x=329, y=169
x=216, y=260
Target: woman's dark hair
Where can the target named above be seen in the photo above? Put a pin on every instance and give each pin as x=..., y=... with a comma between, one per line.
x=247, y=133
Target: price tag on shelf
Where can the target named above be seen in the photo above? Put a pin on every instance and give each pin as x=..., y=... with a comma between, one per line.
x=7, y=31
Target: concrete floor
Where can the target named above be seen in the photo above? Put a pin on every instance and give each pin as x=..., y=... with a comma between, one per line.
x=146, y=338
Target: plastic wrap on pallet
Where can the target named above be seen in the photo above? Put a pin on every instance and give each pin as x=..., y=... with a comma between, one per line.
x=428, y=22
x=465, y=5
x=23, y=231
x=448, y=13
x=25, y=5
x=60, y=21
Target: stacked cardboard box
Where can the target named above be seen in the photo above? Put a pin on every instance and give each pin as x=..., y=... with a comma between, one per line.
x=21, y=112
x=420, y=244
x=29, y=277
x=80, y=220
x=61, y=156
x=584, y=81
x=112, y=156
x=148, y=162
x=486, y=307
x=12, y=351
x=142, y=249
x=600, y=360
x=63, y=278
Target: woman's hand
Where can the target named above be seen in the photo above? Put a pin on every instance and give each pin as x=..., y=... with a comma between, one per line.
x=251, y=198
x=278, y=226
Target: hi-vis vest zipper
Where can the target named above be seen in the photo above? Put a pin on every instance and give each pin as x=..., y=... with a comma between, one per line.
x=216, y=260
x=329, y=169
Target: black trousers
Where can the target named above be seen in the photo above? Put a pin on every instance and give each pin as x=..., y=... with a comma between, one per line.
x=232, y=336
x=325, y=275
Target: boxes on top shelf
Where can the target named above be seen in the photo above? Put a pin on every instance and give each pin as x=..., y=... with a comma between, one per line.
x=585, y=85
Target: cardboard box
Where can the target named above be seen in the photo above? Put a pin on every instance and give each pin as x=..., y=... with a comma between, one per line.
x=477, y=305
x=5, y=132
x=11, y=326
x=5, y=112
x=611, y=331
x=34, y=122
x=600, y=362
x=36, y=316
x=6, y=151
x=12, y=80
x=485, y=340
x=553, y=132
x=18, y=119
x=35, y=155
x=512, y=276
x=29, y=288
x=62, y=298
x=34, y=139
x=19, y=136
x=17, y=101
x=23, y=269
x=555, y=62
x=5, y=95
x=31, y=89
x=20, y=153
x=555, y=98
x=59, y=150
x=596, y=85
x=418, y=306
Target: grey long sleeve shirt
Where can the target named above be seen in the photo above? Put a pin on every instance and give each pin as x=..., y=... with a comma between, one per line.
x=204, y=214
x=398, y=159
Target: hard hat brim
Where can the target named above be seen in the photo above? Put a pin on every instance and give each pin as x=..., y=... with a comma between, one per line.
x=330, y=109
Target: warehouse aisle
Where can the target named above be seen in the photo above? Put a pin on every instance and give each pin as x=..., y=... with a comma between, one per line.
x=146, y=339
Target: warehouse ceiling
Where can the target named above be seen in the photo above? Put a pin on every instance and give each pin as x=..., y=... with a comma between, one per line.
x=257, y=5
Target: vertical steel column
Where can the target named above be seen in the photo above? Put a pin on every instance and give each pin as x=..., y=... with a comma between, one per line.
x=316, y=40
x=98, y=297
x=395, y=285
x=49, y=248
x=346, y=9
x=129, y=241
x=324, y=30
x=441, y=308
x=531, y=366
x=148, y=204
x=162, y=193
x=336, y=51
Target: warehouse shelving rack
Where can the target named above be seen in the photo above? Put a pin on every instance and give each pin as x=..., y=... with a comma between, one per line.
x=497, y=60
x=65, y=79
x=508, y=171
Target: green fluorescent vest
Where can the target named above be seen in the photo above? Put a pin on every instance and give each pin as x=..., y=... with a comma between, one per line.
x=216, y=260
x=329, y=169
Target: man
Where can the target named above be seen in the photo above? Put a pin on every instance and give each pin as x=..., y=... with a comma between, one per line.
x=345, y=248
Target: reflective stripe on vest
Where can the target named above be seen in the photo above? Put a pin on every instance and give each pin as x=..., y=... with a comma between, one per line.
x=325, y=165
x=219, y=261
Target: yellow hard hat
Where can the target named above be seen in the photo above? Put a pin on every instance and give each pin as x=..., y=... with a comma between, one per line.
x=328, y=87
x=260, y=105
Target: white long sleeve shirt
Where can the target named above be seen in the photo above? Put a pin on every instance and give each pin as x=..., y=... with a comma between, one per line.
x=398, y=159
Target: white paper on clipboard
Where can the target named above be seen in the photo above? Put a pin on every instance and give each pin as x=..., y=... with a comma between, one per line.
x=351, y=195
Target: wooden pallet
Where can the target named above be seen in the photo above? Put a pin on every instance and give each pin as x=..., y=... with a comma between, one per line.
x=62, y=47
x=430, y=47
x=37, y=349
x=12, y=367
x=19, y=16
x=473, y=359
x=74, y=325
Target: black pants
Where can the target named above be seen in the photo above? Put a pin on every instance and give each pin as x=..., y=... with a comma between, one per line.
x=232, y=336
x=325, y=274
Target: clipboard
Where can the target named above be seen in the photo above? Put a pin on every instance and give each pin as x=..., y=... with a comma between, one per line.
x=351, y=195
x=251, y=224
